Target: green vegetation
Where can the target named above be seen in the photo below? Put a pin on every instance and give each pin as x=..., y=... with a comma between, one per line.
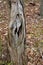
x=5, y=63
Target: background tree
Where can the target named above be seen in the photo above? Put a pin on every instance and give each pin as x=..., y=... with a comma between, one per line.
x=41, y=8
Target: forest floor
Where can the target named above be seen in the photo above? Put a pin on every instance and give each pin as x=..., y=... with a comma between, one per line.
x=34, y=32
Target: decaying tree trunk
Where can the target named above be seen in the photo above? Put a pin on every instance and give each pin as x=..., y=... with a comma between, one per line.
x=41, y=8
x=16, y=32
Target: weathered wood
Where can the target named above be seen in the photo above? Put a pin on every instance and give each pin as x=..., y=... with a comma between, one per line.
x=16, y=32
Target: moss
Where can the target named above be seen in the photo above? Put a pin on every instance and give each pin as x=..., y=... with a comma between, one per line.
x=36, y=44
x=1, y=62
x=5, y=63
x=42, y=41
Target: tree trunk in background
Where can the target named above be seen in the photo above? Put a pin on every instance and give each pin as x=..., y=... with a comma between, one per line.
x=41, y=9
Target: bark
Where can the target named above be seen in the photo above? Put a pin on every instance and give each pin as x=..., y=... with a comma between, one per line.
x=16, y=32
x=41, y=9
